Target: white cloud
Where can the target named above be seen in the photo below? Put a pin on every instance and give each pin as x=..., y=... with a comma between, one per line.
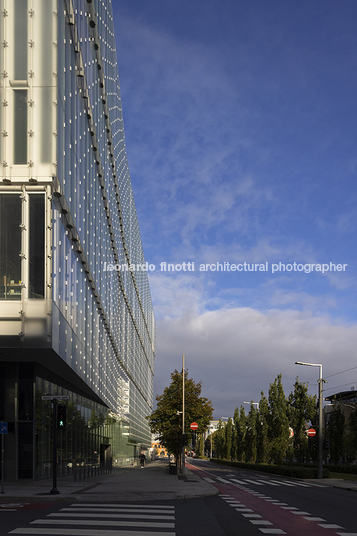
x=238, y=352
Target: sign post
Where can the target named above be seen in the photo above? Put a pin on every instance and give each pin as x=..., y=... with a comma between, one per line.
x=3, y=431
x=54, y=398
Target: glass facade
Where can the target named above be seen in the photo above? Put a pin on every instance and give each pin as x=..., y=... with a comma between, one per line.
x=67, y=211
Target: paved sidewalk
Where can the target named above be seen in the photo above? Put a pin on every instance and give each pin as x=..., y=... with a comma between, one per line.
x=124, y=484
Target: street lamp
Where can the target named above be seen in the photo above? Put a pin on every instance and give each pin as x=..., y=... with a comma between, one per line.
x=252, y=403
x=319, y=439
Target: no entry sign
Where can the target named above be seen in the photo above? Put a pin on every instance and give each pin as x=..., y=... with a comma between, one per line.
x=194, y=425
x=311, y=432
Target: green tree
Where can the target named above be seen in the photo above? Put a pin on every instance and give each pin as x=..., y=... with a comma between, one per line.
x=278, y=421
x=240, y=426
x=353, y=433
x=263, y=446
x=228, y=439
x=250, y=441
x=301, y=409
x=336, y=433
x=220, y=440
x=166, y=420
x=200, y=443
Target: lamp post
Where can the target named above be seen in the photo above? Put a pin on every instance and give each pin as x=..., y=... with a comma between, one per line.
x=319, y=439
x=252, y=403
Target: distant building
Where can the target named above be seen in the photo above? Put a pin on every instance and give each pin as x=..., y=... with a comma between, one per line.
x=212, y=427
x=76, y=317
x=160, y=450
x=346, y=400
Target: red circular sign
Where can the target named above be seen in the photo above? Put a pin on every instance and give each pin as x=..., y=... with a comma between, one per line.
x=194, y=425
x=311, y=432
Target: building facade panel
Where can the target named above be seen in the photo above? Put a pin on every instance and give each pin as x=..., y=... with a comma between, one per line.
x=67, y=213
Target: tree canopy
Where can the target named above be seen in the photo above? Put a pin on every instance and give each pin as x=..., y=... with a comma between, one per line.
x=166, y=420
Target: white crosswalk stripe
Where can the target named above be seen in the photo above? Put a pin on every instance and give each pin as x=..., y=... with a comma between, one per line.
x=261, y=482
x=105, y=520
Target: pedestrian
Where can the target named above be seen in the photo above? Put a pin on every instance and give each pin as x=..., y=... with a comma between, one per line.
x=142, y=459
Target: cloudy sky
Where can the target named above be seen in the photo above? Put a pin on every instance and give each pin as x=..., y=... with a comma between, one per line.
x=241, y=130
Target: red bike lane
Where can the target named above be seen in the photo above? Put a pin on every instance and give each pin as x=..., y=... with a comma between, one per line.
x=269, y=515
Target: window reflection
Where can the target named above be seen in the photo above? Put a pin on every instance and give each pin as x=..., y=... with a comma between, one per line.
x=37, y=246
x=10, y=247
x=20, y=126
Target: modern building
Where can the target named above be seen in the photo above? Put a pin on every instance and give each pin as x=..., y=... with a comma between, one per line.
x=76, y=316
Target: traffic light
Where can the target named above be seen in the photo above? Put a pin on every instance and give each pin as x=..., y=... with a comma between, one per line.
x=61, y=416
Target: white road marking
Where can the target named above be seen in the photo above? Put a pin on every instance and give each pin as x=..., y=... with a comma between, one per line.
x=300, y=513
x=272, y=531
x=106, y=505
x=103, y=522
x=114, y=516
x=329, y=526
x=86, y=532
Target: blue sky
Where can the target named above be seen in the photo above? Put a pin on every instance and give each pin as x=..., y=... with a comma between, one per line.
x=240, y=124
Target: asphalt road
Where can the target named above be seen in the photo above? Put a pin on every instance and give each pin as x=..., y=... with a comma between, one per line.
x=294, y=506
x=249, y=504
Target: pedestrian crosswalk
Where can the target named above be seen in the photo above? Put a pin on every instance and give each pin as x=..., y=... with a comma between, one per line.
x=230, y=479
x=105, y=520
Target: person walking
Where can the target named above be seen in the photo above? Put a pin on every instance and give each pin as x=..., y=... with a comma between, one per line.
x=142, y=459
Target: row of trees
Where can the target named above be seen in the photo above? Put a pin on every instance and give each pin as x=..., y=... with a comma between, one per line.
x=276, y=430
x=265, y=434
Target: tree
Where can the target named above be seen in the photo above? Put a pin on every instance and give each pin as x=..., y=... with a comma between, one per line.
x=220, y=440
x=336, y=433
x=251, y=436
x=353, y=432
x=302, y=408
x=166, y=420
x=278, y=420
x=240, y=426
x=263, y=447
x=228, y=438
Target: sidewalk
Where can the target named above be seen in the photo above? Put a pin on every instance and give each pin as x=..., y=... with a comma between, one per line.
x=124, y=484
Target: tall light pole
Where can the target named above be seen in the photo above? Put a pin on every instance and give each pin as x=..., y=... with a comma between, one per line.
x=319, y=439
x=252, y=403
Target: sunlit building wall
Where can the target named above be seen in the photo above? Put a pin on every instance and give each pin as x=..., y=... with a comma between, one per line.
x=69, y=324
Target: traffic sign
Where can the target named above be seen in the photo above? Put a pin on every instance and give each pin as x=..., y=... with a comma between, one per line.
x=3, y=427
x=194, y=425
x=311, y=432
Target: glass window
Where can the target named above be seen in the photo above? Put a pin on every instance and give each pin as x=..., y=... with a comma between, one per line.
x=20, y=44
x=10, y=247
x=20, y=126
x=37, y=246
